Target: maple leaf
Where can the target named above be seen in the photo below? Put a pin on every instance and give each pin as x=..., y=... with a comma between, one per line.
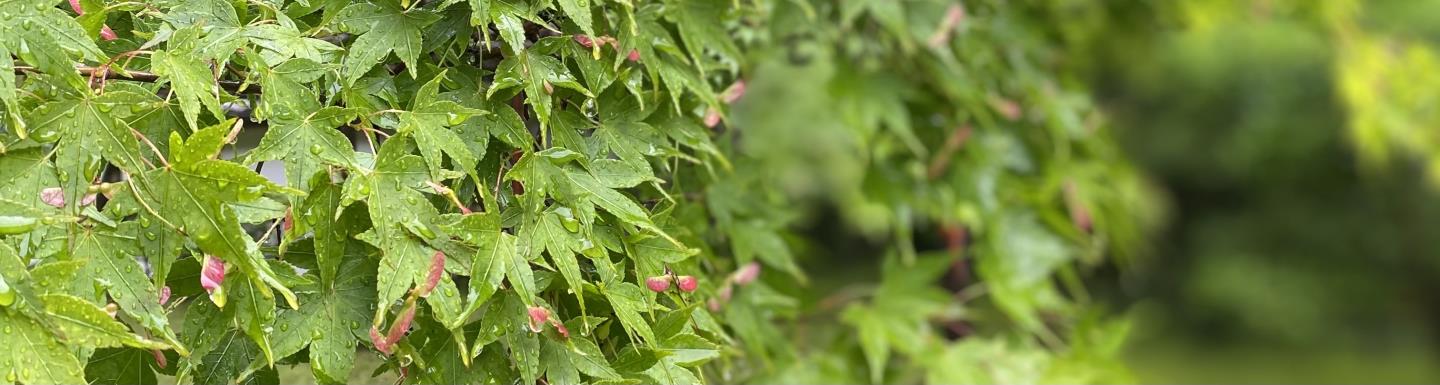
x=195, y=194
x=382, y=28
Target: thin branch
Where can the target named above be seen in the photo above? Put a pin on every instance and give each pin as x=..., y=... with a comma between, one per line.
x=941, y=162
x=139, y=76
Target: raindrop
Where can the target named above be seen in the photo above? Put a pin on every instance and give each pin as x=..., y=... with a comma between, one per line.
x=104, y=107
x=315, y=149
x=456, y=118
x=47, y=136
x=144, y=221
x=150, y=235
x=7, y=296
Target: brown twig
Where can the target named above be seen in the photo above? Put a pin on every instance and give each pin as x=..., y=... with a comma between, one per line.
x=139, y=76
x=941, y=162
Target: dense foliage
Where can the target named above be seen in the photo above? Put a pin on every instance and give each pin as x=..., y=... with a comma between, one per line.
x=569, y=191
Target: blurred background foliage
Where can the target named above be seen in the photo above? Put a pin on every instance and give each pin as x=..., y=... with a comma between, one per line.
x=1296, y=144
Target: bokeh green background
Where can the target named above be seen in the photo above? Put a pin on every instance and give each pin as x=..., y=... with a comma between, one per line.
x=1290, y=255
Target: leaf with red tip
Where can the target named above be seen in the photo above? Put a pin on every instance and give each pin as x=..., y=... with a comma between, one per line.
x=538, y=317
x=212, y=277
x=379, y=341
x=437, y=269
x=53, y=196
x=401, y=325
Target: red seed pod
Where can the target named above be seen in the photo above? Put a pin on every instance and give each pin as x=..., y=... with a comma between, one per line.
x=746, y=274
x=289, y=222
x=634, y=56
x=734, y=92
x=559, y=327
x=164, y=294
x=713, y=304
x=159, y=358
x=687, y=283
x=712, y=117
x=437, y=270
x=538, y=317
x=658, y=283
x=1006, y=107
x=585, y=41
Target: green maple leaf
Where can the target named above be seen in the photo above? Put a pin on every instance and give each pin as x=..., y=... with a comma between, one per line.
x=85, y=128
x=38, y=343
x=579, y=12
x=332, y=317
x=549, y=234
x=206, y=30
x=192, y=81
x=629, y=303
x=579, y=189
x=33, y=356
x=539, y=74
x=491, y=258
x=46, y=37
x=312, y=136
x=398, y=212
x=555, y=359
x=383, y=28
x=82, y=323
x=700, y=23
x=110, y=258
x=428, y=121
x=121, y=366
x=195, y=193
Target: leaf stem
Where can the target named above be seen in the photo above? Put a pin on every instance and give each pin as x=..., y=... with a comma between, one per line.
x=150, y=144
x=136, y=192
